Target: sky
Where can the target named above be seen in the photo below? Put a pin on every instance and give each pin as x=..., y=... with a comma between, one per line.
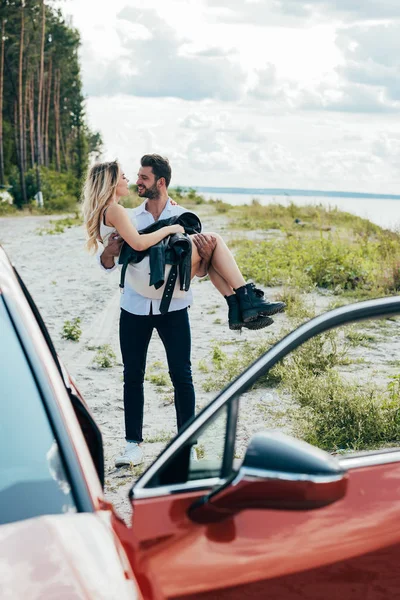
x=247, y=93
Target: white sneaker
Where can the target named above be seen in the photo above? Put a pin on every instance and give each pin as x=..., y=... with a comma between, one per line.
x=132, y=455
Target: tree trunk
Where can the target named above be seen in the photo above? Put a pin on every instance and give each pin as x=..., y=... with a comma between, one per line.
x=3, y=29
x=57, y=78
x=63, y=150
x=32, y=120
x=25, y=119
x=40, y=92
x=47, y=118
x=20, y=109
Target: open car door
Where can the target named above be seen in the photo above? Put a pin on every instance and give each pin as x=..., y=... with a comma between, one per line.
x=285, y=521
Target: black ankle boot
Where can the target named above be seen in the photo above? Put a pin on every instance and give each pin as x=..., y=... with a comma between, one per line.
x=252, y=303
x=235, y=318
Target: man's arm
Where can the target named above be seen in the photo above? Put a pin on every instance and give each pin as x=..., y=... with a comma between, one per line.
x=112, y=250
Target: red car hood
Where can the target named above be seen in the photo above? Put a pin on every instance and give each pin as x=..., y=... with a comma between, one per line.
x=66, y=557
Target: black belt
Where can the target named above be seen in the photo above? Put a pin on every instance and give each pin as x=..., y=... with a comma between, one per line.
x=169, y=290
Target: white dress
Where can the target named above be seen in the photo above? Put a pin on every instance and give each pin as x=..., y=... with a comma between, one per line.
x=138, y=275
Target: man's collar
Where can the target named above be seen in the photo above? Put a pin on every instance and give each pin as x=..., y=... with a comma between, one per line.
x=142, y=207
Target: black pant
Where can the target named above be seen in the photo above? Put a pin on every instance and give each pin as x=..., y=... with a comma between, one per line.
x=135, y=332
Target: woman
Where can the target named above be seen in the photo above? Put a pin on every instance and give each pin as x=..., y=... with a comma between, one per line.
x=105, y=185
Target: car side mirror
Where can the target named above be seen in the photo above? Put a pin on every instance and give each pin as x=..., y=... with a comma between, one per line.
x=278, y=472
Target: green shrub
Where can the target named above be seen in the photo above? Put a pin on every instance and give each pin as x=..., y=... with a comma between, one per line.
x=71, y=330
x=60, y=190
x=158, y=379
x=346, y=416
x=7, y=209
x=334, y=264
x=105, y=357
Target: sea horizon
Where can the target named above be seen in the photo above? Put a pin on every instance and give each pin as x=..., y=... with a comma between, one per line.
x=381, y=209
x=290, y=192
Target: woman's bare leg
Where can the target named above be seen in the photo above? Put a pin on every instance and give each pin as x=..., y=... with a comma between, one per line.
x=219, y=282
x=203, y=248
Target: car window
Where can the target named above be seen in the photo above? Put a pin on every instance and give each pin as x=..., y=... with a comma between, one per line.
x=207, y=457
x=339, y=391
x=32, y=477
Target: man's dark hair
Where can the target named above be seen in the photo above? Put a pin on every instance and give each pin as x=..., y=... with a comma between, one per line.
x=159, y=165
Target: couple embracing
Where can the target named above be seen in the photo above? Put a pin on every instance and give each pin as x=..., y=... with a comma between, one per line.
x=159, y=218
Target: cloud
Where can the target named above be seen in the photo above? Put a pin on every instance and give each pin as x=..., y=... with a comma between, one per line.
x=359, y=9
x=209, y=152
x=290, y=12
x=347, y=97
x=387, y=147
x=266, y=87
x=347, y=165
x=253, y=12
x=153, y=63
x=275, y=159
x=372, y=56
x=367, y=80
x=196, y=121
x=250, y=135
x=222, y=123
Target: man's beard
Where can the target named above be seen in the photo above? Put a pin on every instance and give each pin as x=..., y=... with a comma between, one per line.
x=151, y=193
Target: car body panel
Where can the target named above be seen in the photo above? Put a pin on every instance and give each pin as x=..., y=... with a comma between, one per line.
x=68, y=556
x=264, y=548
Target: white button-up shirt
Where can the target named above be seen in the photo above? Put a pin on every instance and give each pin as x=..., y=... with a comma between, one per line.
x=133, y=302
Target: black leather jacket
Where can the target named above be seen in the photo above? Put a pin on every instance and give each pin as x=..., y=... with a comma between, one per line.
x=175, y=250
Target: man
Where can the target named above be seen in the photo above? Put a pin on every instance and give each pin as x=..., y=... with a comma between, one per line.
x=141, y=315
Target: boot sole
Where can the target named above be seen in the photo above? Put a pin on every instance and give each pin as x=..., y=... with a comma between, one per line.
x=253, y=313
x=259, y=323
x=236, y=327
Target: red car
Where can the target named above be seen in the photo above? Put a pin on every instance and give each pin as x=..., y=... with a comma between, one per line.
x=287, y=521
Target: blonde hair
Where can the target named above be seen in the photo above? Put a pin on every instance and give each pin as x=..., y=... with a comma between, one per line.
x=99, y=188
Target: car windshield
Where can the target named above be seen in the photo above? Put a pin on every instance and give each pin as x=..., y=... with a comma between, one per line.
x=32, y=476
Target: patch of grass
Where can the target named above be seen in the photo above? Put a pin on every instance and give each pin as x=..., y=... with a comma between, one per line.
x=58, y=226
x=161, y=436
x=71, y=330
x=203, y=366
x=355, y=258
x=296, y=304
x=226, y=367
x=137, y=470
x=157, y=364
x=158, y=379
x=394, y=363
x=343, y=416
x=168, y=399
x=288, y=217
x=359, y=338
x=200, y=451
x=272, y=415
x=311, y=360
x=105, y=357
x=217, y=321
